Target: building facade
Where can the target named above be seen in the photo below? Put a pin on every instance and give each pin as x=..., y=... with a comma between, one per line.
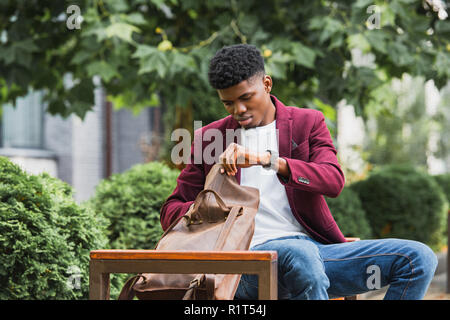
x=79, y=152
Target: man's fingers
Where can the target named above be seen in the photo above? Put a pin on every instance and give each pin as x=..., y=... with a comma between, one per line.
x=229, y=159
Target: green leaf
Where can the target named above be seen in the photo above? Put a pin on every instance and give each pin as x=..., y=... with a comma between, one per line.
x=118, y=5
x=362, y=4
x=358, y=41
x=276, y=65
x=377, y=40
x=442, y=26
x=135, y=18
x=442, y=64
x=121, y=30
x=7, y=54
x=19, y=52
x=181, y=61
x=80, y=57
x=387, y=16
x=103, y=69
x=399, y=54
x=328, y=111
x=154, y=62
x=144, y=50
x=303, y=55
x=329, y=28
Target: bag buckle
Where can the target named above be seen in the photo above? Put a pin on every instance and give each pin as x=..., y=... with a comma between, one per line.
x=190, y=221
x=195, y=283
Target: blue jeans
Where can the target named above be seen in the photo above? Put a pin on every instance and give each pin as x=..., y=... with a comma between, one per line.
x=308, y=269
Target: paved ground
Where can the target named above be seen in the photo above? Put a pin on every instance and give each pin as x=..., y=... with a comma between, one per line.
x=436, y=291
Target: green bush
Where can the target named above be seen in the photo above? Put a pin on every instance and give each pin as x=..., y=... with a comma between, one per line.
x=403, y=202
x=443, y=181
x=132, y=201
x=45, y=237
x=349, y=215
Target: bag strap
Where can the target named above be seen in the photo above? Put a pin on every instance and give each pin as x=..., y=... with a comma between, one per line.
x=127, y=292
x=226, y=228
x=220, y=242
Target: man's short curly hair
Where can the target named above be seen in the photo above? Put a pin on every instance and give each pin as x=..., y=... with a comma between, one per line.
x=234, y=64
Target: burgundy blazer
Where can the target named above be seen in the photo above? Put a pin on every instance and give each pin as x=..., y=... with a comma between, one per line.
x=305, y=143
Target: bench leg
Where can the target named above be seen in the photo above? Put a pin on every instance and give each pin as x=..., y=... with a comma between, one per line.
x=268, y=282
x=98, y=282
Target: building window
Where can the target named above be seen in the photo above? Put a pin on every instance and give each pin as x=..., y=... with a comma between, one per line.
x=23, y=126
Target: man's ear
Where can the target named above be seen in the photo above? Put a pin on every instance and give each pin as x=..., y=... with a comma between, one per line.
x=267, y=81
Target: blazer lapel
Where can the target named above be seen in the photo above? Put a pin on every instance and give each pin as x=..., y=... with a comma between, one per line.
x=284, y=128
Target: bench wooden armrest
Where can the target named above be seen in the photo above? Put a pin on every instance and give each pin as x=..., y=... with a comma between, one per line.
x=104, y=262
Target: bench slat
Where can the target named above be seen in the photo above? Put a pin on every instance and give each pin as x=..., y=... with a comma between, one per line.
x=182, y=255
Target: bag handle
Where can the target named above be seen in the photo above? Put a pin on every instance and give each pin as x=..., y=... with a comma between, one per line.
x=219, y=200
x=202, y=194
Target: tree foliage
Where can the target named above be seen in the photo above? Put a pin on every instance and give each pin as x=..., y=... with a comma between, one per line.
x=156, y=52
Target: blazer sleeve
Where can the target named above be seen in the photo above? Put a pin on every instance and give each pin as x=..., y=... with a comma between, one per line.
x=189, y=184
x=322, y=174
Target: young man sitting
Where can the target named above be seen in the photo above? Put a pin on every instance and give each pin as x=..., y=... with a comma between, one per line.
x=288, y=154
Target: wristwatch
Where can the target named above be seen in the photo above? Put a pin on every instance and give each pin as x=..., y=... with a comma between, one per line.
x=272, y=164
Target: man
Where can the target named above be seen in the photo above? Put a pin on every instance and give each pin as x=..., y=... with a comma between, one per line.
x=287, y=153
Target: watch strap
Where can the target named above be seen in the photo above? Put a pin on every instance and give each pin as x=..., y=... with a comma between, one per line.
x=273, y=160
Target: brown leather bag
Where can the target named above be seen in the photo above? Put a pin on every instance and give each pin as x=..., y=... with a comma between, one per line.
x=222, y=218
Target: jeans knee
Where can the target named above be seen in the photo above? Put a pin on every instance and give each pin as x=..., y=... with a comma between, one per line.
x=318, y=280
x=425, y=259
x=303, y=272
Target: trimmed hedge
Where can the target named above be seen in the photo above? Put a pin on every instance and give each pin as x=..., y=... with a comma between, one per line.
x=45, y=237
x=131, y=201
x=404, y=202
x=349, y=214
x=443, y=181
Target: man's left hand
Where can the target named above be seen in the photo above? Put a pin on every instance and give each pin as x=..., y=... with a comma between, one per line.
x=236, y=156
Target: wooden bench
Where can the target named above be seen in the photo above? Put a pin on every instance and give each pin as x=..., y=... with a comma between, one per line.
x=105, y=262
x=261, y=263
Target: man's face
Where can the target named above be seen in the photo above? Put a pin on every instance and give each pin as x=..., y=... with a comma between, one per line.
x=249, y=101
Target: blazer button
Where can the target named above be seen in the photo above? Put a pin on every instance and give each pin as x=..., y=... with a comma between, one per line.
x=303, y=180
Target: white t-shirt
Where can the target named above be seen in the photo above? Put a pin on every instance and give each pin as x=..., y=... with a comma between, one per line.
x=274, y=218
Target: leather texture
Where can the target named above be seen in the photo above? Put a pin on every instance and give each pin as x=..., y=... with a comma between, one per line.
x=222, y=218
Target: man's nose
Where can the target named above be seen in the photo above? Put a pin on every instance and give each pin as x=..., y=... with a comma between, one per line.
x=239, y=108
